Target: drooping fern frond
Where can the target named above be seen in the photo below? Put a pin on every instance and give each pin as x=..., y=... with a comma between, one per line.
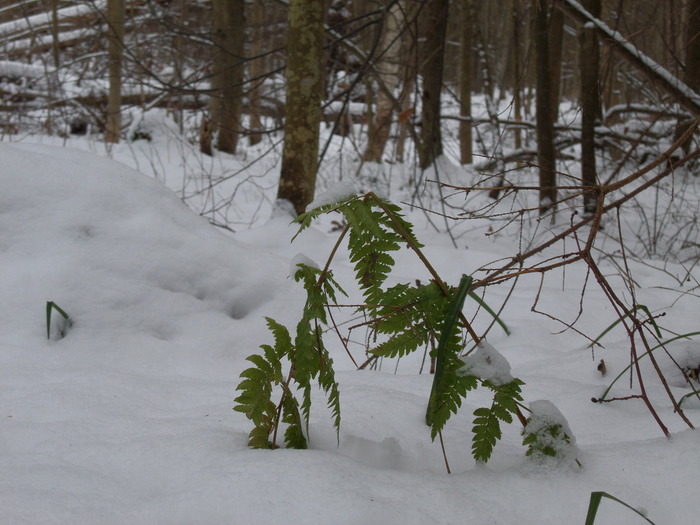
x=255, y=399
x=487, y=421
x=410, y=316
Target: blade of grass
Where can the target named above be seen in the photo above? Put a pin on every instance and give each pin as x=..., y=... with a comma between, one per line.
x=596, y=498
x=486, y=307
x=618, y=321
x=450, y=321
x=50, y=306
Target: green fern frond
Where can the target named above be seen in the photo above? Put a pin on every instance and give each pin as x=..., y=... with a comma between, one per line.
x=255, y=399
x=294, y=435
x=487, y=421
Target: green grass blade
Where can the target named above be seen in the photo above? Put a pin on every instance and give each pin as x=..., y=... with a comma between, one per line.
x=450, y=322
x=486, y=307
x=618, y=321
x=50, y=306
x=596, y=498
x=682, y=336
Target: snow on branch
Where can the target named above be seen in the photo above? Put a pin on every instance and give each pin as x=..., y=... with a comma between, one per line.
x=687, y=97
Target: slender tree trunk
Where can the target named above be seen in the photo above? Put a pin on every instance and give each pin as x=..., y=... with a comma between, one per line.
x=517, y=74
x=115, y=20
x=256, y=70
x=55, y=44
x=229, y=38
x=556, y=38
x=432, y=65
x=466, y=70
x=388, y=69
x=304, y=73
x=545, y=120
x=590, y=104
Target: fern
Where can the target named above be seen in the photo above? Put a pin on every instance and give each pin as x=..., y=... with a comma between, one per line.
x=403, y=317
x=487, y=421
x=449, y=387
x=255, y=400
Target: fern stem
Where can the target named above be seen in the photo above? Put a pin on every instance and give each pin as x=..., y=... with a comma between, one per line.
x=331, y=256
x=444, y=453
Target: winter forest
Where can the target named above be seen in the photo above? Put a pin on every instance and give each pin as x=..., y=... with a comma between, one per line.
x=349, y=261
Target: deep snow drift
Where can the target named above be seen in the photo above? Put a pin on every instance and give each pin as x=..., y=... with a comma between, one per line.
x=128, y=420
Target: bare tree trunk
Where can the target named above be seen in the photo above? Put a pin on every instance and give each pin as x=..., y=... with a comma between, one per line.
x=691, y=72
x=304, y=73
x=115, y=20
x=545, y=120
x=432, y=66
x=388, y=69
x=517, y=73
x=229, y=38
x=256, y=70
x=466, y=70
x=556, y=37
x=590, y=104
x=55, y=44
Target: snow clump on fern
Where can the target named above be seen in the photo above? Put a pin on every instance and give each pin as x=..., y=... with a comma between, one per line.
x=487, y=364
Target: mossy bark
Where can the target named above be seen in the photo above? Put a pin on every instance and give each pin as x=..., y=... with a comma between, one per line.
x=304, y=73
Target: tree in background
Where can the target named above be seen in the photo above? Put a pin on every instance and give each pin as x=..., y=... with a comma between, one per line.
x=590, y=104
x=432, y=62
x=545, y=119
x=228, y=36
x=466, y=70
x=115, y=22
x=388, y=70
x=304, y=74
x=691, y=69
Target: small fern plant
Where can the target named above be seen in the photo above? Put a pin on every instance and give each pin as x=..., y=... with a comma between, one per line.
x=403, y=318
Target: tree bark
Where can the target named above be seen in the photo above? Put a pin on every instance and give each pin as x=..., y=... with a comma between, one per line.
x=545, y=121
x=517, y=74
x=304, y=73
x=691, y=71
x=115, y=20
x=556, y=38
x=466, y=70
x=256, y=70
x=432, y=65
x=228, y=33
x=388, y=69
x=589, y=61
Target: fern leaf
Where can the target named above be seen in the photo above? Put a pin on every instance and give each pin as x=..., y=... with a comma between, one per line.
x=255, y=398
x=487, y=427
x=487, y=431
x=294, y=435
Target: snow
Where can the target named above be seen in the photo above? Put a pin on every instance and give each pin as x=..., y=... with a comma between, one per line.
x=128, y=420
x=488, y=364
x=338, y=192
x=544, y=415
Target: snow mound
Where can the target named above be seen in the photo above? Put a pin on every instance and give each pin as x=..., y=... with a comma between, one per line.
x=116, y=250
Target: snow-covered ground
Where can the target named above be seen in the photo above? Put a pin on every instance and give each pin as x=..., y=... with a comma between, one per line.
x=128, y=419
